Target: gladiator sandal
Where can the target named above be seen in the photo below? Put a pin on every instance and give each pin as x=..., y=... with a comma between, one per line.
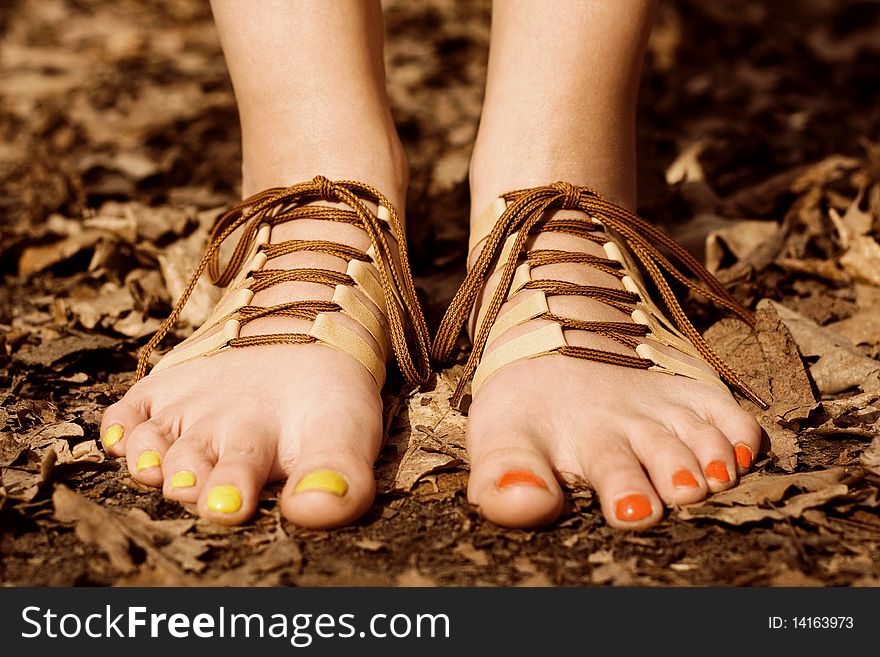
x=372, y=275
x=631, y=248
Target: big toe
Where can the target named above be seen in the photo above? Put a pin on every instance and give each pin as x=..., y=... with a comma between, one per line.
x=328, y=489
x=513, y=484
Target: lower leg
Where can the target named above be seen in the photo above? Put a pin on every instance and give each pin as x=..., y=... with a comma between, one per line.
x=309, y=81
x=308, y=78
x=561, y=97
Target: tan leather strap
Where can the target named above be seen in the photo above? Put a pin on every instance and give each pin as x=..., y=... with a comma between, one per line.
x=374, y=274
x=630, y=243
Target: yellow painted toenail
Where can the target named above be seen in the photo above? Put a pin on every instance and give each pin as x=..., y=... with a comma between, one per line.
x=326, y=481
x=113, y=435
x=183, y=479
x=148, y=459
x=224, y=499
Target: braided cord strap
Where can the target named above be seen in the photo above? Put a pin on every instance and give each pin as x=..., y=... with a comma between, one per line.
x=631, y=245
x=373, y=275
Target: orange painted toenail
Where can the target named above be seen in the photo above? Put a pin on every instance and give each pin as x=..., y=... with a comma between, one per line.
x=684, y=478
x=514, y=477
x=743, y=456
x=718, y=471
x=632, y=508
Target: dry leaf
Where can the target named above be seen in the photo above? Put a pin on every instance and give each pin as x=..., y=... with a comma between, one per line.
x=741, y=515
x=758, y=488
x=840, y=366
x=94, y=525
x=686, y=167
x=414, y=578
x=740, y=239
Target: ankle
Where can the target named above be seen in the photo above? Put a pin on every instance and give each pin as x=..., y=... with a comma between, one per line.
x=540, y=156
x=369, y=152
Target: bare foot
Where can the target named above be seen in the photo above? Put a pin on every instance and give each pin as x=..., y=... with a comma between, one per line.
x=215, y=429
x=309, y=83
x=561, y=105
x=641, y=438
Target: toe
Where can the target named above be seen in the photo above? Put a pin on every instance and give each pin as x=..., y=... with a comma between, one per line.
x=230, y=491
x=673, y=468
x=187, y=465
x=742, y=431
x=513, y=484
x=627, y=497
x=145, y=449
x=119, y=421
x=713, y=451
x=328, y=488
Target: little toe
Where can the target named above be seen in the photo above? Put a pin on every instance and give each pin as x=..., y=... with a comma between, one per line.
x=187, y=465
x=513, y=484
x=119, y=421
x=328, y=488
x=230, y=492
x=673, y=468
x=628, y=499
x=145, y=449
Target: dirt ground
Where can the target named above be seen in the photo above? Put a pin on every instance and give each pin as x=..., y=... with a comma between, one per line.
x=759, y=140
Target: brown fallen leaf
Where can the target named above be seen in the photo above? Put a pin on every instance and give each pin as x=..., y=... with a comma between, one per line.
x=414, y=578
x=840, y=366
x=615, y=573
x=536, y=580
x=278, y=559
x=75, y=238
x=429, y=433
x=740, y=239
x=686, y=167
x=863, y=326
x=871, y=456
x=472, y=554
x=51, y=351
x=858, y=415
x=94, y=525
x=115, y=534
x=741, y=515
x=758, y=488
x=768, y=360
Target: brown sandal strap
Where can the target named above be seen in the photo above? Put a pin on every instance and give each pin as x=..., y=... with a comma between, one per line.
x=391, y=287
x=620, y=232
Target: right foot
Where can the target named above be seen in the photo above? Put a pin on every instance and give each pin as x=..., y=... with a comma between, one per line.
x=214, y=430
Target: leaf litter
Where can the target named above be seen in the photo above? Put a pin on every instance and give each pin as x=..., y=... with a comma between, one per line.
x=120, y=143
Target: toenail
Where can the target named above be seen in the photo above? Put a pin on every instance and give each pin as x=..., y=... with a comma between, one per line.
x=743, y=456
x=632, y=508
x=718, y=471
x=514, y=477
x=147, y=459
x=113, y=435
x=183, y=479
x=684, y=478
x=325, y=481
x=224, y=499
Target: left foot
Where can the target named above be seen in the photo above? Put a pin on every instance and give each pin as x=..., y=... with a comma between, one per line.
x=641, y=438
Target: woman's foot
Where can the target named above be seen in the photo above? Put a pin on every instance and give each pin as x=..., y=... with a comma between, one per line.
x=213, y=431
x=560, y=105
x=641, y=438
